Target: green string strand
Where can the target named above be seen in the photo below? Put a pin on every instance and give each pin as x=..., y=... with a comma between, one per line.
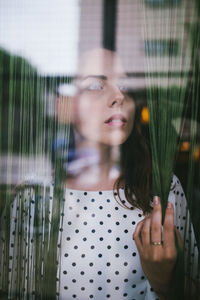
x=195, y=83
x=166, y=105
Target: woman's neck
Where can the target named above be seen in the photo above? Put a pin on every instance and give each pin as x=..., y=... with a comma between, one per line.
x=95, y=174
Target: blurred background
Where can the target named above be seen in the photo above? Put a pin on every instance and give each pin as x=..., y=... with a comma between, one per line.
x=40, y=43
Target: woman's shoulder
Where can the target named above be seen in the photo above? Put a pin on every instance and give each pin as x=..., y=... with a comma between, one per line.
x=30, y=191
x=176, y=190
x=175, y=183
x=33, y=182
x=178, y=199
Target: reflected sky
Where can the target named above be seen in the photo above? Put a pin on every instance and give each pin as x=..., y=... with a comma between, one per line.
x=46, y=32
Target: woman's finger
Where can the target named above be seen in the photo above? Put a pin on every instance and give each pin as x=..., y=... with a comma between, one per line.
x=168, y=227
x=145, y=232
x=137, y=235
x=156, y=219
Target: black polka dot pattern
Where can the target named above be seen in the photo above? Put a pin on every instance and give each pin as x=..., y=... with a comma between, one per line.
x=99, y=259
x=105, y=252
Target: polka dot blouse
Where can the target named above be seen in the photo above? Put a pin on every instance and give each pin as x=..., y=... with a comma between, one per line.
x=98, y=258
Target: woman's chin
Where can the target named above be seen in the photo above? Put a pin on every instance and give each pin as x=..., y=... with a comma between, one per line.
x=116, y=140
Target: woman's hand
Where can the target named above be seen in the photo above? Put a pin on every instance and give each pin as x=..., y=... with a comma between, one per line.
x=157, y=250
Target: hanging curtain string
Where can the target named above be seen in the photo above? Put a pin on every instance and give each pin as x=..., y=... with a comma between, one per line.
x=166, y=105
x=28, y=132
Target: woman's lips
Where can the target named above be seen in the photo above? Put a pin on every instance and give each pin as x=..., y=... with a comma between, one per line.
x=117, y=120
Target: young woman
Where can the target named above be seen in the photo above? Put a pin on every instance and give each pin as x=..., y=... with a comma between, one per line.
x=112, y=243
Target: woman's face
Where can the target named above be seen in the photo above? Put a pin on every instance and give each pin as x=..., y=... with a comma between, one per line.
x=103, y=113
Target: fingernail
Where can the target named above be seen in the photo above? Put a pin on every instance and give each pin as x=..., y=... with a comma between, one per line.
x=169, y=205
x=156, y=200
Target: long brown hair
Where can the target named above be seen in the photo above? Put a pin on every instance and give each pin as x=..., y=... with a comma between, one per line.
x=136, y=166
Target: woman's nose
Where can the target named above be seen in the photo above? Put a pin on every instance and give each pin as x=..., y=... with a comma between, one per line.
x=116, y=96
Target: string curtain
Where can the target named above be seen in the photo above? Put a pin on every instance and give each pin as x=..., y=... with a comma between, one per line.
x=171, y=103
x=29, y=129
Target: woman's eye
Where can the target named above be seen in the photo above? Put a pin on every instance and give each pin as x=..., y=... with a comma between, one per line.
x=123, y=88
x=95, y=86
x=123, y=85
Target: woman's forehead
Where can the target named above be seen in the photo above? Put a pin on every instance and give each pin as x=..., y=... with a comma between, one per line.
x=100, y=62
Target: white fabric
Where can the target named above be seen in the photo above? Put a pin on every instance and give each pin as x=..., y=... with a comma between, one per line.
x=99, y=259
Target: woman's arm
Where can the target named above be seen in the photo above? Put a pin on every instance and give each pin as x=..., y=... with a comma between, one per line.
x=158, y=254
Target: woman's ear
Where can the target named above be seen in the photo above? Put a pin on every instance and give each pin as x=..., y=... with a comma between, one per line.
x=64, y=109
